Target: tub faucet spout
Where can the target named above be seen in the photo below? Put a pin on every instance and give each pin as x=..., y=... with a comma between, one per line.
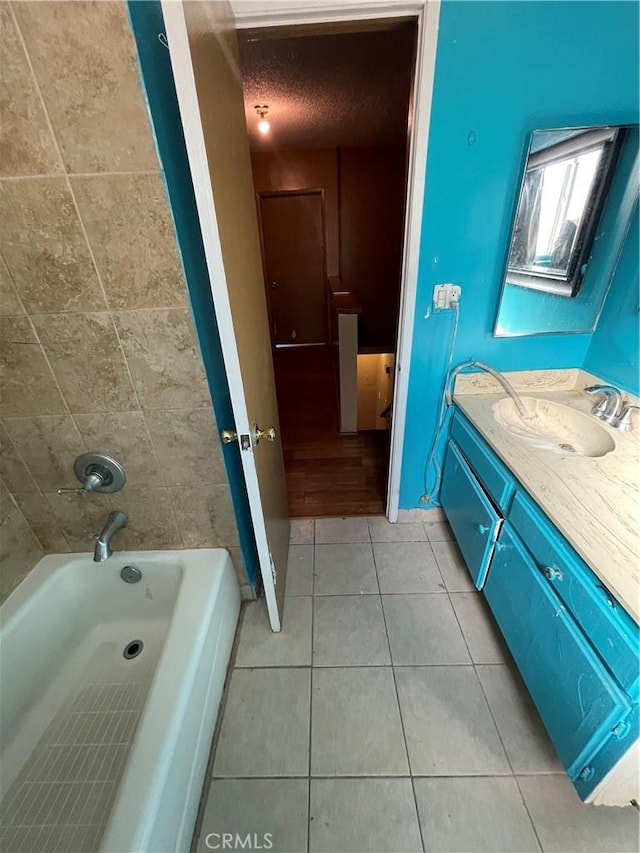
x=116, y=521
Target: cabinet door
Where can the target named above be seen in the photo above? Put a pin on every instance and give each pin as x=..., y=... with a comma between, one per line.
x=576, y=697
x=474, y=521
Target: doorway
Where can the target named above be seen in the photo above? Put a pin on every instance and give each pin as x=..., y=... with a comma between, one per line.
x=203, y=49
x=330, y=176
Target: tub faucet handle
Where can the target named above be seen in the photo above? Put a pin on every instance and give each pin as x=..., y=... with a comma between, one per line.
x=94, y=480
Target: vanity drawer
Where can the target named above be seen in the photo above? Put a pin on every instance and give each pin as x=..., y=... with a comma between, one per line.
x=493, y=475
x=610, y=628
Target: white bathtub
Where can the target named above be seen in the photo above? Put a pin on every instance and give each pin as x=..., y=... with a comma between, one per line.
x=98, y=751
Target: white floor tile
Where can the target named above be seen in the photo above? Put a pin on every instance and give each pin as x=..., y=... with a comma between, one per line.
x=523, y=735
x=479, y=628
x=300, y=570
x=407, y=567
x=479, y=814
x=349, y=630
x=344, y=570
x=273, y=812
x=447, y=723
x=438, y=531
x=382, y=530
x=260, y=646
x=265, y=728
x=345, y=530
x=302, y=531
x=423, y=630
x=565, y=824
x=363, y=815
x=452, y=567
x=356, y=728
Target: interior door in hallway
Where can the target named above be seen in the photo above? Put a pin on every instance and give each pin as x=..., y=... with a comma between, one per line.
x=292, y=226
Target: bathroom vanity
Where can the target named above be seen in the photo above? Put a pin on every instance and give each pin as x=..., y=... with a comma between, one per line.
x=551, y=538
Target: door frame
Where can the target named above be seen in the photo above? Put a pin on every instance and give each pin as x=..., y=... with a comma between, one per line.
x=280, y=194
x=249, y=14
x=252, y=14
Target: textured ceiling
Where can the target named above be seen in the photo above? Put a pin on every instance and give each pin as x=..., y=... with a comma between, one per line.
x=325, y=91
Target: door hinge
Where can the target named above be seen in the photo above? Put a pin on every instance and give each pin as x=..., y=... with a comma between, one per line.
x=621, y=729
x=274, y=574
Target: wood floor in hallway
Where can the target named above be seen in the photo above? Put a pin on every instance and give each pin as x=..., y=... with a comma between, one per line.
x=328, y=474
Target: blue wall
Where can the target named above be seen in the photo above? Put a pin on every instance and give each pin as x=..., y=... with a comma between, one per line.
x=157, y=76
x=503, y=69
x=613, y=351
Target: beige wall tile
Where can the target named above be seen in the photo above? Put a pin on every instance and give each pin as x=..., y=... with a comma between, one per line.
x=162, y=355
x=85, y=354
x=124, y=436
x=205, y=516
x=6, y=502
x=19, y=551
x=79, y=519
x=187, y=446
x=84, y=59
x=27, y=146
x=151, y=520
x=42, y=522
x=9, y=299
x=12, y=469
x=27, y=385
x=44, y=247
x=49, y=446
x=130, y=230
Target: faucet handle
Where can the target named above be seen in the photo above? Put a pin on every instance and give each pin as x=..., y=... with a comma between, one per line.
x=623, y=422
x=93, y=480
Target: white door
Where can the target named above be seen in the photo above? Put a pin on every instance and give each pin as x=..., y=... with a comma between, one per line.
x=204, y=57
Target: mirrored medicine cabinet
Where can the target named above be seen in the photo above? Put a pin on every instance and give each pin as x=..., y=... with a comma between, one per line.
x=578, y=191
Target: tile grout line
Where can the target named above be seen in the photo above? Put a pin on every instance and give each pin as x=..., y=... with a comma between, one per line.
x=397, y=694
x=50, y=175
x=313, y=607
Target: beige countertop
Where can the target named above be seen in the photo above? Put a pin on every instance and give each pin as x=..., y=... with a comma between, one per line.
x=594, y=502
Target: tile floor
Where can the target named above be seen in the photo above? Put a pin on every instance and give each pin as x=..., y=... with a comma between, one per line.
x=387, y=715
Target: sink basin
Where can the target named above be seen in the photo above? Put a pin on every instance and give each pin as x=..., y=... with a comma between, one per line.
x=553, y=426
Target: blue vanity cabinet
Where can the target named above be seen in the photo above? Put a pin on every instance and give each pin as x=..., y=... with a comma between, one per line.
x=473, y=518
x=575, y=645
x=578, y=700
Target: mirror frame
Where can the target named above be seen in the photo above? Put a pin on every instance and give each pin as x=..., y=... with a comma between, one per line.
x=568, y=285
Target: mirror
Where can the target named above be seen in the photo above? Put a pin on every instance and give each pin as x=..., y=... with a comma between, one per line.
x=573, y=210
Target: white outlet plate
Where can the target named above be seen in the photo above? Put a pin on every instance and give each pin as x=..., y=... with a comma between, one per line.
x=445, y=294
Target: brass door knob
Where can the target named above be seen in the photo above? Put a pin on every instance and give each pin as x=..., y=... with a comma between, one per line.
x=229, y=436
x=269, y=434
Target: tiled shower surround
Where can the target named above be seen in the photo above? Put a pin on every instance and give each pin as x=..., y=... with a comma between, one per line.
x=97, y=346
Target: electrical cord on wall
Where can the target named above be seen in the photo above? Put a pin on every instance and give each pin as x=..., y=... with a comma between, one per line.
x=432, y=464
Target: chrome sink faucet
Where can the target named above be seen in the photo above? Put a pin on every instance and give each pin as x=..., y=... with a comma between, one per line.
x=116, y=521
x=609, y=408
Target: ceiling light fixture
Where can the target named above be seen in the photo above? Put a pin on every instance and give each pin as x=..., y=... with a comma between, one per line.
x=263, y=124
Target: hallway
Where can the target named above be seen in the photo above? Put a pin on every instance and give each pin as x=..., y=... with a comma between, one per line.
x=328, y=474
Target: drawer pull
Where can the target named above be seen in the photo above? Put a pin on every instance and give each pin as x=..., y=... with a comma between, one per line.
x=552, y=573
x=482, y=529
